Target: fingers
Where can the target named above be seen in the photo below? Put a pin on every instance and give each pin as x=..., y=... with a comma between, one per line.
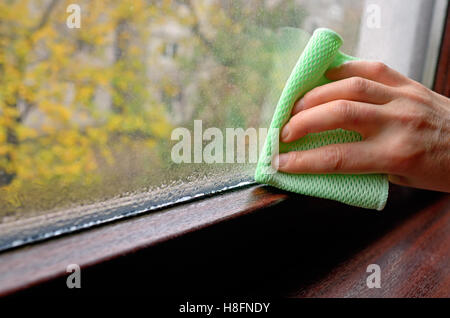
x=351, y=103
x=349, y=115
x=354, y=89
x=357, y=157
x=375, y=71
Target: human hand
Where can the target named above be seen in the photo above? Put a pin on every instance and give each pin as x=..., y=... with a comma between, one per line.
x=405, y=127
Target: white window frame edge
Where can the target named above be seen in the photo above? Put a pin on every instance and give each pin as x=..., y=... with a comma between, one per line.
x=435, y=41
x=407, y=40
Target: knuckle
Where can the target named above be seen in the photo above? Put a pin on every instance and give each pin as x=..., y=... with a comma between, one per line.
x=358, y=85
x=333, y=157
x=295, y=160
x=345, y=110
x=379, y=68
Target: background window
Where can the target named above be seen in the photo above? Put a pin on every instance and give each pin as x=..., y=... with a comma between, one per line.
x=86, y=114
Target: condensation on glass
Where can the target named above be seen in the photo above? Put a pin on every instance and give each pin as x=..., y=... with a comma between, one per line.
x=86, y=114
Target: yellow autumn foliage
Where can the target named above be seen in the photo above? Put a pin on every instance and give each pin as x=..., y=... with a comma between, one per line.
x=54, y=133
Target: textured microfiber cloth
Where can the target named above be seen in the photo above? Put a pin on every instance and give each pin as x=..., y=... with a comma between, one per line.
x=362, y=190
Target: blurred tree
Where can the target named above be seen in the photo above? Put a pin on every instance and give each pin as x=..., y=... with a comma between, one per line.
x=53, y=131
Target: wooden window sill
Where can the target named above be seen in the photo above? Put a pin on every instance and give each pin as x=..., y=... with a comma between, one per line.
x=295, y=246
x=36, y=263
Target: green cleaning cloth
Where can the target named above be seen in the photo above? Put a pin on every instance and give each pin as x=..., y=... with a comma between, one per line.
x=362, y=190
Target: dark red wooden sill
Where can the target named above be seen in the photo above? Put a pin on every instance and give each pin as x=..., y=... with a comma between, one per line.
x=294, y=246
x=413, y=257
x=34, y=264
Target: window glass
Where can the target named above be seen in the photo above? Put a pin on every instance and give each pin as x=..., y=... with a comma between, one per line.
x=93, y=92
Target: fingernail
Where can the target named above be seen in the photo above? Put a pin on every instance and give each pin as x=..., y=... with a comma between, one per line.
x=280, y=160
x=285, y=132
x=298, y=107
